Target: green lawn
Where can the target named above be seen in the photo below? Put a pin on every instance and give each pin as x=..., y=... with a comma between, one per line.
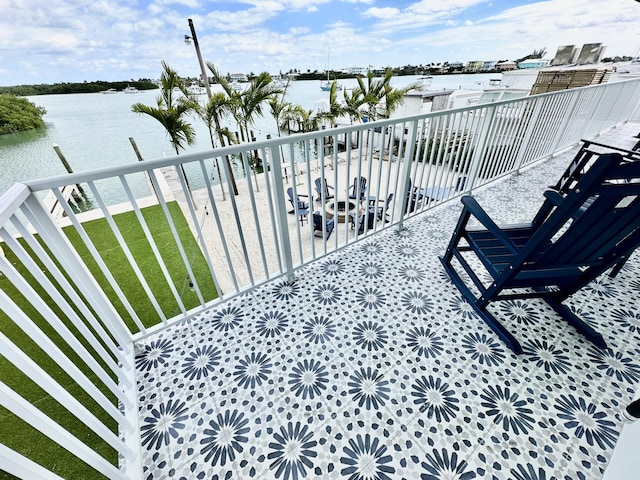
x=17, y=434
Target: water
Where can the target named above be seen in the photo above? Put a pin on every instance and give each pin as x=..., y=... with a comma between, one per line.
x=93, y=131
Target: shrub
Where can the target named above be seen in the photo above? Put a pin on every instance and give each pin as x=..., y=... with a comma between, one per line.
x=18, y=114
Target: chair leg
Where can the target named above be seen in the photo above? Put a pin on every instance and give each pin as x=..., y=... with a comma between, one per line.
x=579, y=324
x=617, y=267
x=509, y=340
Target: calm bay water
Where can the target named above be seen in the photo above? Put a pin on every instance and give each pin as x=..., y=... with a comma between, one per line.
x=93, y=130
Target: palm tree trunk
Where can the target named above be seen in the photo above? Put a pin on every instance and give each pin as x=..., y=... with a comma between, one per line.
x=186, y=181
x=213, y=144
x=232, y=177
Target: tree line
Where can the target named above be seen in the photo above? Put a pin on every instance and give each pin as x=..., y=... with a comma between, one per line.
x=69, y=87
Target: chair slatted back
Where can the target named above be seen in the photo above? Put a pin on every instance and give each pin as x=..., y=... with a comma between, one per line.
x=598, y=220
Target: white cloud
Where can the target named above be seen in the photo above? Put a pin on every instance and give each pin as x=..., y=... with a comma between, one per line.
x=384, y=13
x=69, y=40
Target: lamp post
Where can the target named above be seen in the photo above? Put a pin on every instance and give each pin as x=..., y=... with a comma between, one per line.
x=205, y=78
x=187, y=39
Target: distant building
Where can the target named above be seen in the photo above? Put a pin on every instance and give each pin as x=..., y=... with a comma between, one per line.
x=473, y=66
x=455, y=67
x=488, y=66
x=534, y=63
x=238, y=77
x=356, y=70
x=506, y=66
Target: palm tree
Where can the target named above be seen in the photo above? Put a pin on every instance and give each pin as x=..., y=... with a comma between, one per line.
x=218, y=106
x=336, y=108
x=296, y=114
x=171, y=111
x=225, y=103
x=374, y=93
x=277, y=106
x=252, y=100
x=377, y=90
x=245, y=106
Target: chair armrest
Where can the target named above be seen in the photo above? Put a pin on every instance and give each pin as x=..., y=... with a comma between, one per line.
x=474, y=208
x=553, y=196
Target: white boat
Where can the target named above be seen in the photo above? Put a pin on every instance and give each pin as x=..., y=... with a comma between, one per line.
x=326, y=86
x=109, y=91
x=236, y=86
x=195, y=89
x=278, y=81
x=131, y=89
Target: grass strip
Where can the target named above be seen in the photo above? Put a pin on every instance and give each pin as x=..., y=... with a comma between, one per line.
x=16, y=433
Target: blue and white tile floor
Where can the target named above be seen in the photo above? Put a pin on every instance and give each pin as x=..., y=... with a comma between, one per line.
x=370, y=366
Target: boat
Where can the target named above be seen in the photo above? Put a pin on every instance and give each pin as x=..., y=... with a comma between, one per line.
x=131, y=89
x=195, y=89
x=109, y=91
x=326, y=86
x=279, y=82
x=236, y=86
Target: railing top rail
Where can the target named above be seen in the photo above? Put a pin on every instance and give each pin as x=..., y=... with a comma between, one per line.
x=11, y=200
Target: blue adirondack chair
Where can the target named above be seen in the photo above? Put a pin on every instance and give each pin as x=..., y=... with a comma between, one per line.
x=382, y=211
x=322, y=188
x=300, y=207
x=359, y=188
x=581, y=233
x=321, y=227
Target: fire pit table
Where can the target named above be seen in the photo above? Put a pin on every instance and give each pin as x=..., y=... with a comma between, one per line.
x=341, y=209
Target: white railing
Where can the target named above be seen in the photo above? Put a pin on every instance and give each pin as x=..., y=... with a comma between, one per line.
x=70, y=305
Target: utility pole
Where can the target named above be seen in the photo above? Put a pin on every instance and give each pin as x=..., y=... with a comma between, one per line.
x=205, y=78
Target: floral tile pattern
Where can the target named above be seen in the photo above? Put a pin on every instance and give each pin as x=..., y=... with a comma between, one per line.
x=371, y=366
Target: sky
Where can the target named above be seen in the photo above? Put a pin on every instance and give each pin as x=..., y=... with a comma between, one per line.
x=51, y=41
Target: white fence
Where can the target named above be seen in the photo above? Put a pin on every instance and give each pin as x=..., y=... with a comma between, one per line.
x=72, y=309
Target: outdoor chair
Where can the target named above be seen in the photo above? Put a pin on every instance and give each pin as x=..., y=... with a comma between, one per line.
x=322, y=188
x=359, y=188
x=382, y=211
x=300, y=207
x=365, y=219
x=580, y=164
x=321, y=227
x=582, y=233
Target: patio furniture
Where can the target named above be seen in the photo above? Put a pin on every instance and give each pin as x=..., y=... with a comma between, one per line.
x=322, y=227
x=580, y=164
x=382, y=210
x=367, y=219
x=438, y=193
x=582, y=233
x=300, y=207
x=359, y=188
x=367, y=215
x=322, y=188
x=340, y=209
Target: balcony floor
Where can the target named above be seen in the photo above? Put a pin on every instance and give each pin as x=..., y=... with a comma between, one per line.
x=371, y=366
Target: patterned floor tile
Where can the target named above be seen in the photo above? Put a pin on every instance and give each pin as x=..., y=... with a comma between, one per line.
x=369, y=365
